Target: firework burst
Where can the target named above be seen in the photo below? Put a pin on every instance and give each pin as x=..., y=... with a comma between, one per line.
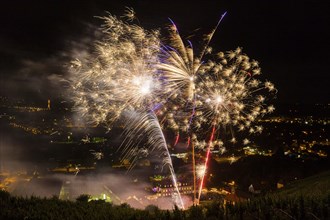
x=231, y=94
x=122, y=75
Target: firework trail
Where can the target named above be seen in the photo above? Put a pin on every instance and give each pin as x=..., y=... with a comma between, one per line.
x=203, y=171
x=146, y=124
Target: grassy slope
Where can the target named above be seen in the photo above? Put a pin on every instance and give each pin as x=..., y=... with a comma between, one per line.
x=314, y=186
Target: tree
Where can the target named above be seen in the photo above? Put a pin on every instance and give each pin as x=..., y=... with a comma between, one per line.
x=83, y=198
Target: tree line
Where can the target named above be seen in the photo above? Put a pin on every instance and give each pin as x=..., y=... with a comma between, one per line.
x=267, y=207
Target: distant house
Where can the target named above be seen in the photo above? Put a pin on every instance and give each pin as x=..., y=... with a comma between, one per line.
x=253, y=190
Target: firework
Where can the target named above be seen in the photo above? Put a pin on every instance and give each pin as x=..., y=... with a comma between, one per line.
x=150, y=84
x=216, y=92
x=200, y=171
x=122, y=81
x=230, y=94
x=121, y=76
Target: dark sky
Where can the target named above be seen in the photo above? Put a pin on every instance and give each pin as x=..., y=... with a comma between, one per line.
x=290, y=39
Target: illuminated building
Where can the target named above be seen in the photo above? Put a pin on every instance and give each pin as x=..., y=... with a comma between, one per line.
x=166, y=188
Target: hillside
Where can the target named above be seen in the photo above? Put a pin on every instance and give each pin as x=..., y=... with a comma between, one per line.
x=314, y=186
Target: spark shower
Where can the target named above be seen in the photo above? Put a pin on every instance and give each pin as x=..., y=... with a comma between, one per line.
x=156, y=85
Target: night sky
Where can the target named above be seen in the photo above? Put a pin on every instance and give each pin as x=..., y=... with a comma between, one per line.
x=290, y=39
